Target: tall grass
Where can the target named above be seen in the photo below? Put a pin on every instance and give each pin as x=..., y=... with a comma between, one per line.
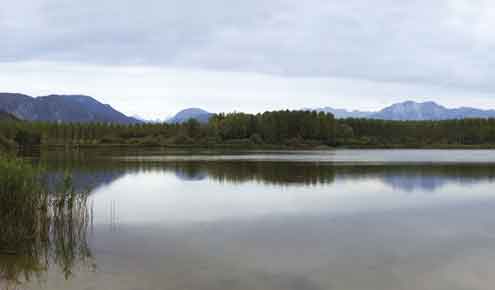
x=22, y=200
x=38, y=227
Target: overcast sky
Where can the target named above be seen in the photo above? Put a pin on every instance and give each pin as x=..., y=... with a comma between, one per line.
x=154, y=57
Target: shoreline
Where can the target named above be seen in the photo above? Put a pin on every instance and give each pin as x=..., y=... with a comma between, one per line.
x=301, y=147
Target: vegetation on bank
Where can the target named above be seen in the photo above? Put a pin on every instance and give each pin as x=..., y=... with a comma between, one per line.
x=39, y=227
x=279, y=129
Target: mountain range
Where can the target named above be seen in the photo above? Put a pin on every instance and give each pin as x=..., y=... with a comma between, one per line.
x=407, y=110
x=410, y=110
x=84, y=109
x=343, y=113
x=61, y=108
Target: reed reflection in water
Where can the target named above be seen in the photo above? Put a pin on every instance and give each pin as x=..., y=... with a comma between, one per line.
x=42, y=230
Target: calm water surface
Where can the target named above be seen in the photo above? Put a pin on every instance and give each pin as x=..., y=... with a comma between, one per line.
x=345, y=219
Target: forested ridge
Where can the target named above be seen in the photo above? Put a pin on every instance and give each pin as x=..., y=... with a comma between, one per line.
x=277, y=128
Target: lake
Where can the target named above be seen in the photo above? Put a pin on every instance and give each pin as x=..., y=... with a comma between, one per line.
x=301, y=220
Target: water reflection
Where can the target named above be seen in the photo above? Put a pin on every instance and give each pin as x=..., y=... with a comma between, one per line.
x=50, y=233
x=405, y=178
x=185, y=192
x=251, y=224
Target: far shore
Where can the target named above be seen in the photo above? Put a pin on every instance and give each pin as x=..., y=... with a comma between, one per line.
x=260, y=146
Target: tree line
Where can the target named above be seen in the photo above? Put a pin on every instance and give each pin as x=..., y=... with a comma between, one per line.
x=369, y=132
x=280, y=128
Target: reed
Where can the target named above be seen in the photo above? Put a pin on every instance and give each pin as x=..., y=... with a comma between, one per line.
x=39, y=227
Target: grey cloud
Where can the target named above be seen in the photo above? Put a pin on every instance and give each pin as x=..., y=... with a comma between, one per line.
x=444, y=43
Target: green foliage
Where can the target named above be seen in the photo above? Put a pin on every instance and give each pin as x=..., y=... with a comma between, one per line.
x=256, y=139
x=36, y=224
x=27, y=138
x=6, y=144
x=18, y=180
x=193, y=128
x=366, y=132
x=14, y=133
x=275, y=127
x=182, y=139
x=279, y=128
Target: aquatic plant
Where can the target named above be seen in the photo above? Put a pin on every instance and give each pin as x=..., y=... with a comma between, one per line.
x=38, y=226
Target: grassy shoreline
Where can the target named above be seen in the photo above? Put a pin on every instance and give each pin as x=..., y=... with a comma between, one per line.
x=264, y=146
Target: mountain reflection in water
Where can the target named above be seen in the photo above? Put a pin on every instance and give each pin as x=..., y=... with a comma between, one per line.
x=405, y=178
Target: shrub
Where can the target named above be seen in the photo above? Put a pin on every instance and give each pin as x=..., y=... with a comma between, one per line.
x=150, y=141
x=6, y=144
x=256, y=139
x=183, y=140
x=111, y=140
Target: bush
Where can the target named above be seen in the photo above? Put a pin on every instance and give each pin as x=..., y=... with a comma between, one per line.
x=150, y=141
x=6, y=144
x=111, y=140
x=294, y=141
x=183, y=140
x=240, y=142
x=256, y=139
x=27, y=138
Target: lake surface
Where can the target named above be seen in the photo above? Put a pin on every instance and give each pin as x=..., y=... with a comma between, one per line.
x=344, y=219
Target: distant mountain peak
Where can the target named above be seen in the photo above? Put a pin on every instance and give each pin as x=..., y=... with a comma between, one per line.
x=343, y=113
x=191, y=113
x=62, y=108
x=412, y=110
x=417, y=104
x=193, y=110
x=149, y=120
x=82, y=99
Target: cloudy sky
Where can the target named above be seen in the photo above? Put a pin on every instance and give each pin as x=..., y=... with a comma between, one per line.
x=154, y=57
